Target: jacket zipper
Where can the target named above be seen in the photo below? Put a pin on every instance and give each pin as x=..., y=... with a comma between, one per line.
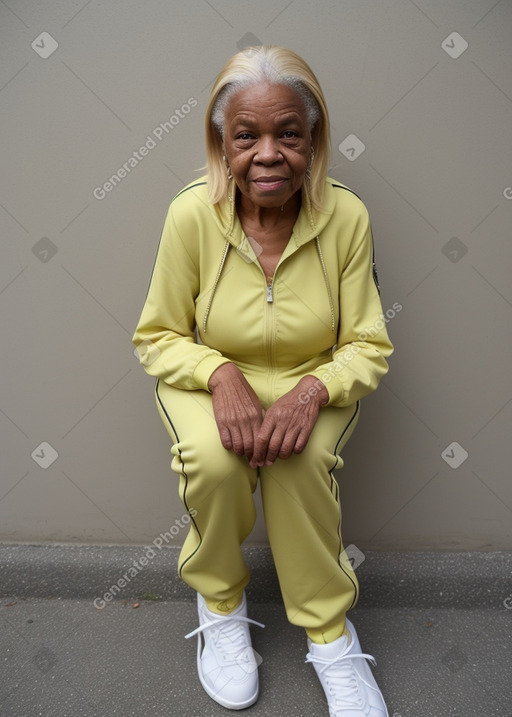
x=270, y=334
x=217, y=279
x=326, y=279
x=270, y=287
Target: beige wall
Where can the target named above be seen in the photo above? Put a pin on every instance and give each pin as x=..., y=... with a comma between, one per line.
x=436, y=175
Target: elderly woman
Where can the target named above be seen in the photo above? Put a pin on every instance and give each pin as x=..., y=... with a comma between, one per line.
x=263, y=327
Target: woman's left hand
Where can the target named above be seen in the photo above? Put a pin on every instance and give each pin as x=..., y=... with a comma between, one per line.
x=288, y=423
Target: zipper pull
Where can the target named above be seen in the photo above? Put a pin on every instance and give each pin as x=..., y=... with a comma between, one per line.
x=270, y=298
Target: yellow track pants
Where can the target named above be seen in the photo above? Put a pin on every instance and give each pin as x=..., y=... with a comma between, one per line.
x=301, y=506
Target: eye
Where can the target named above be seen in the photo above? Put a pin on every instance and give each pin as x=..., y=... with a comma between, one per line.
x=244, y=136
x=289, y=134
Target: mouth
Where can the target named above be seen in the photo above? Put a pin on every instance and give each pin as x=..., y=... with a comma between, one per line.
x=268, y=184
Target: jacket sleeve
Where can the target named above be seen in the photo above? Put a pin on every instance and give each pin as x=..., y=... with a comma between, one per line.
x=165, y=336
x=359, y=359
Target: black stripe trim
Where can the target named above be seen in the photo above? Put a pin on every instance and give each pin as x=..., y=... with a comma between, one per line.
x=340, y=186
x=374, y=268
x=356, y=411
x=333, y=480
x=191, y=186
x=185, y=476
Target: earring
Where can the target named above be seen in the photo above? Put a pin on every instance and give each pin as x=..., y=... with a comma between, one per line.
x=308, y=170
x=228, y=168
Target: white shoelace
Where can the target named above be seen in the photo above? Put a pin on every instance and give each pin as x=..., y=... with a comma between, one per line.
x=343, y=682
x=230, y=639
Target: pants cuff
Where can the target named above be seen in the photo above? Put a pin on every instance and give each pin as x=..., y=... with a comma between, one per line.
x=324, y=635
x=224, y=607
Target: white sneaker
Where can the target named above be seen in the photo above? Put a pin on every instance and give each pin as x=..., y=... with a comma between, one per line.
x=348, y=681
x=226, y=662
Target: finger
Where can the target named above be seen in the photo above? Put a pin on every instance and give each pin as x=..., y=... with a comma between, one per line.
x=225, y=437
x=288, y=442
x=296, y=435
x=247, y=435
x=272, y=442
x=258, y=455
x=237, y=441
x=261, y=440
x=303, y=438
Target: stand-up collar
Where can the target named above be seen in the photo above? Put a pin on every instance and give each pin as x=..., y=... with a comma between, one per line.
x=308, y=225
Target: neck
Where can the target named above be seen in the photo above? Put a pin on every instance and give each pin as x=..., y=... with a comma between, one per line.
x=269, y=217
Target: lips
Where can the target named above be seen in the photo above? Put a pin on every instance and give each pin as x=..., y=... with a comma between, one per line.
x=270, y=183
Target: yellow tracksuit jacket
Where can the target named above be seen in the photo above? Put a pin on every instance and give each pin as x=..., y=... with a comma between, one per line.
x=208, y=300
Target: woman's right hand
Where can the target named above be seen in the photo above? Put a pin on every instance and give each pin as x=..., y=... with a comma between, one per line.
x=237, y=409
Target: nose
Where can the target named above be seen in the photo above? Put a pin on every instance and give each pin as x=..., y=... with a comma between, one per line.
x=268, y=151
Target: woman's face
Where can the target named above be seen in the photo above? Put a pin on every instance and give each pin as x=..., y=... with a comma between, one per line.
x=267, y=143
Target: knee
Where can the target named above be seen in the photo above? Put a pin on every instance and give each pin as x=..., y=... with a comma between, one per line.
x=207, y=462
x=316, y=457
x=213, y=479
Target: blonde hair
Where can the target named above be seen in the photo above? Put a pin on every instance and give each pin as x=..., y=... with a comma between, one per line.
x=277, y=65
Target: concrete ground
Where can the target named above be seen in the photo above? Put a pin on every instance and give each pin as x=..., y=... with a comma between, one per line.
x=439, y=626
